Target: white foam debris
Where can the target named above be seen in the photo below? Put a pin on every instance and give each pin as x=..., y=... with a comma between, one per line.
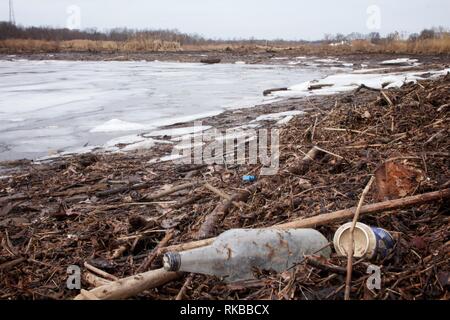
x=285, y=120
x=175, y=132
x=115, y=125
x=328, y=60
x=400, y=61
x=240, y=62
x=277, y=116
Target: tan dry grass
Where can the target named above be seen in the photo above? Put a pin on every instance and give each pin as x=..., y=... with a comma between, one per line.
x=40, y=46
x=427, y=46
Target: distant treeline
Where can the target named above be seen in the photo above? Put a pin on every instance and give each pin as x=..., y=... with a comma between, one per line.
x=11, y=31
x=376, y=38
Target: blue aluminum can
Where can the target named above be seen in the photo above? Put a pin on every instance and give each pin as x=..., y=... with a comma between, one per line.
x=384, y=242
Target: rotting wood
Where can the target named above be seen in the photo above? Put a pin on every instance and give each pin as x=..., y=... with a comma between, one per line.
x=131, y=286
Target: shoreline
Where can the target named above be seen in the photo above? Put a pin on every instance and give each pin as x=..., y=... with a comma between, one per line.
x=235, y=117
x=252, y=57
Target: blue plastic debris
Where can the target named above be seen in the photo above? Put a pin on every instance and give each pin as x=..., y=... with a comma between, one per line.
x=249, y=178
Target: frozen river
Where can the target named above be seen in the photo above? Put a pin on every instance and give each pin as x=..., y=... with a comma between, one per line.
x=50, y=106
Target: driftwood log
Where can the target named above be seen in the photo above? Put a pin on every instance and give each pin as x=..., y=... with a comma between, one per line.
x=210, y=60
x=269, y=91
x=130, y=286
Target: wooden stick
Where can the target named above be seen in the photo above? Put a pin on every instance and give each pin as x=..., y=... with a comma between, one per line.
x=331, y=153
x=110, y=192
x=100, y=272
x=222, y=194
x=151, y=257
x=130, y=286
x=349, y=130
x=94, y=280
x=88, y=295
x=188, y=281
x=10, y=264
x=326, y=218
x=386, y=97
x=303, y=165
x=319, y=265
x=164, y=193
x=222, y=209
x=352, y=244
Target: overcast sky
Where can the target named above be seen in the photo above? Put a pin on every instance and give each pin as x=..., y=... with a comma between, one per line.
x=269, y=19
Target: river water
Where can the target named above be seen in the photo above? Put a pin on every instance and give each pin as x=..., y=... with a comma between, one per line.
x=53, y=106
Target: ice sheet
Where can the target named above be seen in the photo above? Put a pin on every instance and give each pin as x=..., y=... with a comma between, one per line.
x=349, y=81
x=57, y=106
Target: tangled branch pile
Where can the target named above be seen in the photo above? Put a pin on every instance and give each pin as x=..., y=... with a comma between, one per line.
x=111, y=211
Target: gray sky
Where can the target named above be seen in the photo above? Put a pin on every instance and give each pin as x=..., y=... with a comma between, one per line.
x=288, y=19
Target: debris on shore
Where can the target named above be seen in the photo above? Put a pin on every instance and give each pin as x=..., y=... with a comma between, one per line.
x=114, y=215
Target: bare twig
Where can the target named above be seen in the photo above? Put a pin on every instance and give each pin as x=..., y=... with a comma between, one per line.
x=352, y=229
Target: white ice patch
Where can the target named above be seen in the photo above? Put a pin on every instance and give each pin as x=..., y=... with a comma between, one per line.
x=350, y=81
x=285, y=120
x=276, y=116
x=175, y=132
x=400, y=61
x=116, y=125
x=328, y=60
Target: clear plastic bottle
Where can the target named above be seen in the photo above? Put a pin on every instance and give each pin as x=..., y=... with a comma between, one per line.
x=236, y=252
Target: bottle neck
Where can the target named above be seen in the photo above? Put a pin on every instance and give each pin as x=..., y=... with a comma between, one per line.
x=172, y=261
